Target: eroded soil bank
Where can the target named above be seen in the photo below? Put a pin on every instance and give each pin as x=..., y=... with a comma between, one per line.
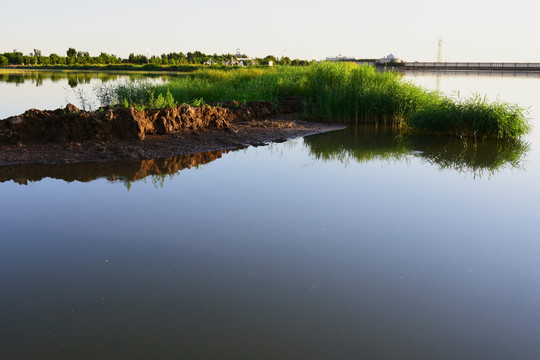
x=69, y=135
x=117, y=123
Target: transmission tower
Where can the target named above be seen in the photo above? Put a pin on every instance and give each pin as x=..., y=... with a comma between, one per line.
x=439, y=50
x=439, y=59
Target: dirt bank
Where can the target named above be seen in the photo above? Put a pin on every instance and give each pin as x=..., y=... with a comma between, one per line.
x=117, y=123
x=69, y=135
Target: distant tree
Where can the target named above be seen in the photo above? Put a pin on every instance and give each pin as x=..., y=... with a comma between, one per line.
x=71, y=52
x=83, y=57
x=142, y=59
x=15, y=57
x=3, y=60
x=155, y=60
x=298, y=62
x=137, y=59
x=266, y=60
x=29, y=60
x=43, y=60
x=55, y=59
x=180, y=58
x=271, y=58
x=104, y=58
x=285, y=60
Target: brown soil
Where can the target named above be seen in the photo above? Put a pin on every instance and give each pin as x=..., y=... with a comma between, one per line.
x=108, y=123
x=237, y=134
x=70, y=135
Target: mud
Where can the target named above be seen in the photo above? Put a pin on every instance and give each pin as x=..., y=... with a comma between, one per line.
x=70, y=135
x=238, y=134
x=108, y=123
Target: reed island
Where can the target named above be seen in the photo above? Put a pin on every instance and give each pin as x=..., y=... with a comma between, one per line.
x=281, y=102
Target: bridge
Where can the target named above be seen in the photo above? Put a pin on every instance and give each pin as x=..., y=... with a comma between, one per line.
x=488, y=66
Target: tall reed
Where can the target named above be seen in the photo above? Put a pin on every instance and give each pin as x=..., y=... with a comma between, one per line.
x=341, y=92
x=472, y=116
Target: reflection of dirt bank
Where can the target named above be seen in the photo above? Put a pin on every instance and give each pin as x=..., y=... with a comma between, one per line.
x=113, y=171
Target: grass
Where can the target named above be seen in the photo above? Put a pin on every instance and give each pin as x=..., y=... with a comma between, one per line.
x=339, y=92
x=473, y=116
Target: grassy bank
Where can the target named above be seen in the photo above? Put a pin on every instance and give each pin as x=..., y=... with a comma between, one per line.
x=343, y=92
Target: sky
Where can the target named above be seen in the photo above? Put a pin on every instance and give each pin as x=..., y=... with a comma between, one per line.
x=470, y=30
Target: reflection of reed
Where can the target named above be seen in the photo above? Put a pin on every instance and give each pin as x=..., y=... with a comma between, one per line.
x=361, y=143
x=127, y=172
x=367, y=143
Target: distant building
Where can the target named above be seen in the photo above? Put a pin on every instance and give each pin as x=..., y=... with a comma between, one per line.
x=389, y=59
x=340, y=58
x=239, y=61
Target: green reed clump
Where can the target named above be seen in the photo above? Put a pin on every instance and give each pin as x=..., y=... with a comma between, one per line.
x=361, y=94
x=341, y=92
x=161, y=101
x=475, y=116
x=138, y=92
x=243, y=84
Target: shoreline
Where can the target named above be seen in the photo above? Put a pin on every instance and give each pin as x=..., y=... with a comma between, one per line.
x=238, y=135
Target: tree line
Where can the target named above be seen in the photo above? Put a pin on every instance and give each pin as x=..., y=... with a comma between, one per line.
x=74, y=57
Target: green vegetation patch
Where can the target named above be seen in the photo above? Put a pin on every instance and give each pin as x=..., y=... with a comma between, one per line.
x=337, y=92
x=473, y=116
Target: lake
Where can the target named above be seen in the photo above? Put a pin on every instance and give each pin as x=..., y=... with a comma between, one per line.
x=358, y=244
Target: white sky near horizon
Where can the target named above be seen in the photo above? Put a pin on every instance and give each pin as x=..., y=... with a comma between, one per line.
x=470, y=30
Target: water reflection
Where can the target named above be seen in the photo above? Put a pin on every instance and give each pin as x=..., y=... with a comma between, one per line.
x=355, y=144
x=73, y=78
x=367, y=143
x=157, y=170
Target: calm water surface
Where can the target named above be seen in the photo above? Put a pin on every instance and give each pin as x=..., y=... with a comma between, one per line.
x=48, y=90
x=357, y=244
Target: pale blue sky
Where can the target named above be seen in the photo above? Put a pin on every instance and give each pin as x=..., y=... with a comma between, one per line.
x=471, y=30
